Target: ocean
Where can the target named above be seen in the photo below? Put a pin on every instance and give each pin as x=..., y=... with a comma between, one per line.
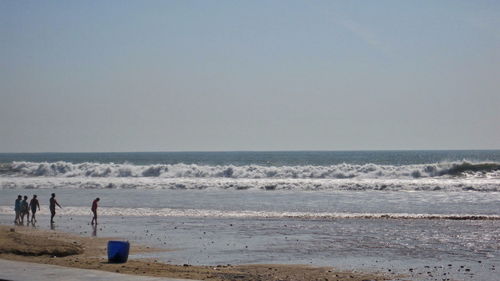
x=436, y=212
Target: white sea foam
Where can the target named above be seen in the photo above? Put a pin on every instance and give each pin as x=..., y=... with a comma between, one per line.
x=340, y=171
x=268, y=184
x=168, y=212
x=433, y=177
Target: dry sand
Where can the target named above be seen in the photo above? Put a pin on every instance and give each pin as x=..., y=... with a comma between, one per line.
x=58, y=248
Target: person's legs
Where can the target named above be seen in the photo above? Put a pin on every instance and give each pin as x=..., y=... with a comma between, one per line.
x=94, y=218
x=18, y=217
x=33, y=211
x=52, y=214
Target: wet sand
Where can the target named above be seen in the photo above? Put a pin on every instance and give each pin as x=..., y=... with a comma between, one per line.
x=59, y=248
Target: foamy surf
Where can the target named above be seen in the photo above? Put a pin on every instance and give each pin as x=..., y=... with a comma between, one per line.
x=200, y=213
x=266, y=184
x=339, y=171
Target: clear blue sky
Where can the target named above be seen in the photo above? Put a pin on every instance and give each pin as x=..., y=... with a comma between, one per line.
x=249, y=75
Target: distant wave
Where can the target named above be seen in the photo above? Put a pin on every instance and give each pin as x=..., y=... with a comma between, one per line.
x=167, y=212
x=340, y=171
x=453, y=176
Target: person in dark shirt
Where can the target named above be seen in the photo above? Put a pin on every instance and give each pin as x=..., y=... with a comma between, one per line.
x=52, y=207
x=94, y=210
x=33, y=205
x=25, y=210
x=17, y=208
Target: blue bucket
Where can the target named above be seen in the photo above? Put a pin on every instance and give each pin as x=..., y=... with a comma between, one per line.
x=118, y=251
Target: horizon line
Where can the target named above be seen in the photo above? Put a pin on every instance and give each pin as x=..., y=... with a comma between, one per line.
x=233, y=151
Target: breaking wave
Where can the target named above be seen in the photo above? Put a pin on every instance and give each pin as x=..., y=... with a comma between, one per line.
x=452, y=176
x=340, y=171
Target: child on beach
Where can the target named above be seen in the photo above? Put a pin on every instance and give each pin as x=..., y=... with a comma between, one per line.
x=94, y=211
x=17, y=208
x=25, y=210
x=52, y=207
x=33, y=205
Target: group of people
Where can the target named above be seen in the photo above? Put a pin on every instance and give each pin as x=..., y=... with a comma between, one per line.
x=22, y=208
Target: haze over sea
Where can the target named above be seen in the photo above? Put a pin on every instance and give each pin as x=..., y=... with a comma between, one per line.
x=381, y=209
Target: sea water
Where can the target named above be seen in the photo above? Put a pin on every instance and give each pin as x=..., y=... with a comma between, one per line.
x=434, y=212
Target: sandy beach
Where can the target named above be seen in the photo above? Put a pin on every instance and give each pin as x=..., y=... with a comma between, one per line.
x=59, y=248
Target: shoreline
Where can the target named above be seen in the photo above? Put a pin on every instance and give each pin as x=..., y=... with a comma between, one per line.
x=19, y=243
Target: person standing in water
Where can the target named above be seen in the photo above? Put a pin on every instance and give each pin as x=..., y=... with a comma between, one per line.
x=33, y=205
x=17, y=208
x=94, y=211
x=52, y=207
x=25, y=210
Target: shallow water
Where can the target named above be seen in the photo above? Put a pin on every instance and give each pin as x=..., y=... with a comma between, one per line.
x=234, y=227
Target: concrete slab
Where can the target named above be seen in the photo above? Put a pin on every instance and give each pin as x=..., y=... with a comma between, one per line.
x=26, y=271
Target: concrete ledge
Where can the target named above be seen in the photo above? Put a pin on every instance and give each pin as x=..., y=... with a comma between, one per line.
x=25, y=271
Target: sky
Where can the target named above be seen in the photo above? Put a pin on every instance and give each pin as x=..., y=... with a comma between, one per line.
x=104, y=76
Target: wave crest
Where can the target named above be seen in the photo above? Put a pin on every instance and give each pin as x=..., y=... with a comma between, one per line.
x=340, y=171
